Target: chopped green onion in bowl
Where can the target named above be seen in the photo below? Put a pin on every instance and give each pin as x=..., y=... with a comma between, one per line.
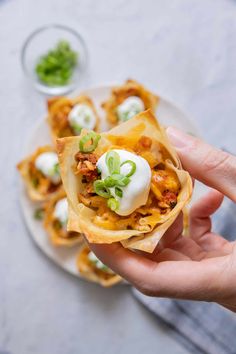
x=56, y=67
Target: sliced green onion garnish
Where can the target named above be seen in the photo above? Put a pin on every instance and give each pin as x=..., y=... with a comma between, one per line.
x=116, y=180
x=76, y=127
x=117, y=176
x=119, y=192
x=113, y=162
x=113, y=204
x=132, y=167
x=104, y=268
x=38, y=214
x=89, y=142
x=121, y=180
x=101, y=189
x=109, y=182
x=57, y=169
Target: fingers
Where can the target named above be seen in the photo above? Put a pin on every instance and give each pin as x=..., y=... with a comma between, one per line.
x=207, y=205
x=199, y=215
x=131, y=266
x=171, y=254
x=174, y=231
x=189, y=248
x=200, y=225
x=205, y=163
x=172, y=234
x=182, y=279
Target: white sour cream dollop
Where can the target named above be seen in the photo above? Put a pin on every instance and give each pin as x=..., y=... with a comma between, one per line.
x=47, y=163
x=81, y=116
x=61, y=211
x=98, y=264
x=129, y=108
x=135, y=194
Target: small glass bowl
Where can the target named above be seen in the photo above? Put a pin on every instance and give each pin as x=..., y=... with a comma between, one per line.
x=40, y=42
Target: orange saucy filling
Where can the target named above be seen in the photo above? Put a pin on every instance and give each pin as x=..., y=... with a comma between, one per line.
x=60, y=123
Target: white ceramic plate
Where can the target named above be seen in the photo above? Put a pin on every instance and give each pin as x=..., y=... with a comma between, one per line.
x=167, y=113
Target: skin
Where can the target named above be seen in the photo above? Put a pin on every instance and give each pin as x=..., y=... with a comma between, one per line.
x=201, y=266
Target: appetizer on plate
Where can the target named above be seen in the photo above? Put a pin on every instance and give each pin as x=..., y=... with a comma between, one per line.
x=128, y=100
x=91, y=268
x=124, y=185
x=55, y=222
x=40, y=172
x=67, y=117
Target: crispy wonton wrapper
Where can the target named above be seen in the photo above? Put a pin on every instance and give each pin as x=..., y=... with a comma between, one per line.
x=125, y=136
x=57, y=237
x=58, y=110
x=40, y=192
x=89, y=271
x=120, y=93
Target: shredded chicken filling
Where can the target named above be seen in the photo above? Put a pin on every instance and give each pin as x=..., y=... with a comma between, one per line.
x=60, y=120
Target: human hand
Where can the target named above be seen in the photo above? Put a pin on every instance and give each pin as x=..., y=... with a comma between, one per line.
x=201, y=266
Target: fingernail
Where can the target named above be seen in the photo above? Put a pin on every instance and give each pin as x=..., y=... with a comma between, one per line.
x=178, y=138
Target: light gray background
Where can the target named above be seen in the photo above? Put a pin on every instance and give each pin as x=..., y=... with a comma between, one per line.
x=183, y=49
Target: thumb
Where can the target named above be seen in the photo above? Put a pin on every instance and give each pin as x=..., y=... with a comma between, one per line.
x=209, y=165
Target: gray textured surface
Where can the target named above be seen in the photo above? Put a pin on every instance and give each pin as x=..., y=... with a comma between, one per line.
x=185, y=50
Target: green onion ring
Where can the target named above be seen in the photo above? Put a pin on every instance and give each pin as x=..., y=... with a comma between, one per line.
x=89, y=142
x=76, y=128
x=133, y=167
x=113, y=162
x=113, y=204
x=109, y=182
x=100, y=189
x=56, y=169
x=121, y=180
x=117, y=176
x=119, y=192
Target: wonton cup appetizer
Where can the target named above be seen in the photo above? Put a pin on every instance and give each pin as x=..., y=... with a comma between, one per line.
x=40, y=172
x=124, y=185
x=91, y=268
x=67, y=117
x=128, y=100
x=55, y=222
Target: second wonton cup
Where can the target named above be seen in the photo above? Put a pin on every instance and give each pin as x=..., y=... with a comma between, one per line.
x=124, y=185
